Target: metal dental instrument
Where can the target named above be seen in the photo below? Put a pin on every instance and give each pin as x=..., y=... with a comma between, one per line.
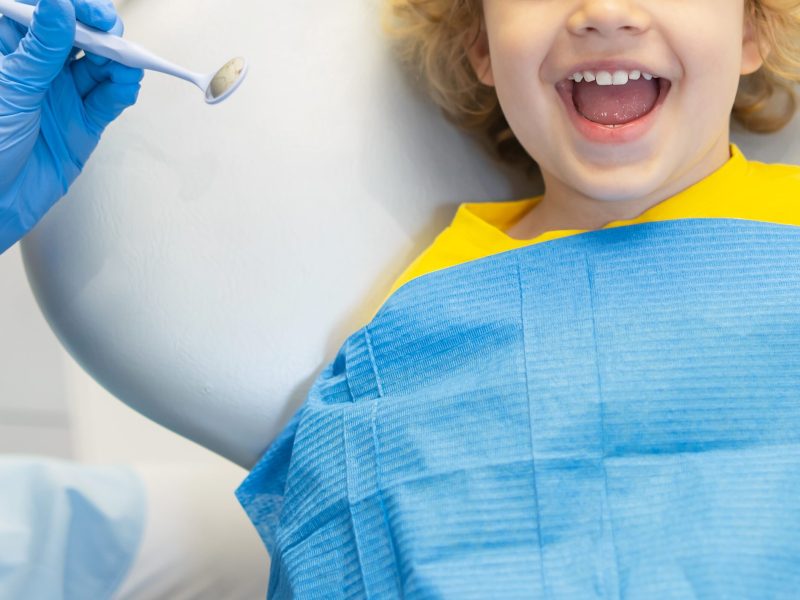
x=217, y=86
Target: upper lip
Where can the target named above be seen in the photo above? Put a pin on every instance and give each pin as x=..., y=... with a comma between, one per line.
x=611, y=66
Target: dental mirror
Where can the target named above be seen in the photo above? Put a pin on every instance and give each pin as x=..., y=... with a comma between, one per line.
x=225, y=81
x=216, y=86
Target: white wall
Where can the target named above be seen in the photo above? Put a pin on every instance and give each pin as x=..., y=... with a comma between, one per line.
x=33, y=396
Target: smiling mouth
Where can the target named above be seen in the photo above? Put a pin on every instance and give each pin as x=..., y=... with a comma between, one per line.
x=614, y=105
x=610, y=124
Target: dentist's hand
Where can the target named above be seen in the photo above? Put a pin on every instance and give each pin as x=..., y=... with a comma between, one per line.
x=53, y=108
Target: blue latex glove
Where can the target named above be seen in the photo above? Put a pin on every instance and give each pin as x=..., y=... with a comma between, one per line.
x=53, y=108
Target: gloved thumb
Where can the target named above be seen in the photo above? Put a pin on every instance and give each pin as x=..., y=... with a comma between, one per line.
x=44, y=49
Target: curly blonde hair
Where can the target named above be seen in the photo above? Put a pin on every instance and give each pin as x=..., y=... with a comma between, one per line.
x=429, y=37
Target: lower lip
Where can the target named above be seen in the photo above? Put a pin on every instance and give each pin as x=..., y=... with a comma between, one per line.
x=608, y=134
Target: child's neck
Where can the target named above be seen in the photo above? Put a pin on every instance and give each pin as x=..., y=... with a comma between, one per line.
x=563, y=207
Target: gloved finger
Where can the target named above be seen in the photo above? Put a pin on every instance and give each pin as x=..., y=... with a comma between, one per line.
x=45, y=48
x=13, y=27
x=99, y=14
x=94, y=13
x=118, y=29
x=13, y=32
x=107, y=101
x=87, y=75
x=10, y=35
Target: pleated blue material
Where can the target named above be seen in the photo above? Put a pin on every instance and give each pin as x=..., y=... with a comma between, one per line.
x=614, y=414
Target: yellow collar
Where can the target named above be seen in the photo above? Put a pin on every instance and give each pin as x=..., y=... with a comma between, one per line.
x=740, y=189
x=486, y=222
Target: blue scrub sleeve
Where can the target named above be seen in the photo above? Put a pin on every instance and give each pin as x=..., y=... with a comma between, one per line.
x=67, y=531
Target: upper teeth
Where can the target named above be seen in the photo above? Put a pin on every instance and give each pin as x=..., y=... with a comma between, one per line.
x=607, y=78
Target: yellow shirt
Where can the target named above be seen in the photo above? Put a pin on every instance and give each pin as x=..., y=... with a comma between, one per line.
x=740, y=189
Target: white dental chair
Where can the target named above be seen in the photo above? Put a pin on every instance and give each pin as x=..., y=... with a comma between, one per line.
x=211, y=259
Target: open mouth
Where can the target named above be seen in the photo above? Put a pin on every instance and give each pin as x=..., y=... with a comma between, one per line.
x=609, y=116
x=614, y=105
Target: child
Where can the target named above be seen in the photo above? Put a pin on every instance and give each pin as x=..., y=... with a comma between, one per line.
x=536, y=413
x=583, y=189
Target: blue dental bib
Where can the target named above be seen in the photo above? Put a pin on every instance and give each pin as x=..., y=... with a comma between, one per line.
x=614, y=414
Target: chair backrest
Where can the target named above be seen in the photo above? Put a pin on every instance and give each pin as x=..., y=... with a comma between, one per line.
x=211, y=259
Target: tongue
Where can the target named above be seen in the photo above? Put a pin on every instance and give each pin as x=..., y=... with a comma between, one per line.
x=615, y=104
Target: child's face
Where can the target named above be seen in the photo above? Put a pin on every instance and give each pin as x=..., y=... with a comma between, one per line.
x=701, y=46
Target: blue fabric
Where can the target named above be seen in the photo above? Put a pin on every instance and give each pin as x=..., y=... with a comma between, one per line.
x=614, y=414
x=67, y=531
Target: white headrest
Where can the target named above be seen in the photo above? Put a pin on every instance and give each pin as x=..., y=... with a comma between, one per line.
x=211, y=259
